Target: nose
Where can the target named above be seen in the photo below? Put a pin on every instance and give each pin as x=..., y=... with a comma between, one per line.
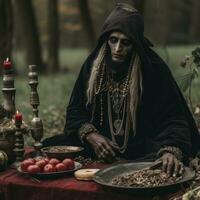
x=118, y=46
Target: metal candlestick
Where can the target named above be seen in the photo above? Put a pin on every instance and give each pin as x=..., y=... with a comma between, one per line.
x=9, y=91
x=11, y=134
x=19, y=144
x=36, y=123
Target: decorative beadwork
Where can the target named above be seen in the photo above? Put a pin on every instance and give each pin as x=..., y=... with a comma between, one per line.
x=86, y=129
x=170, y=149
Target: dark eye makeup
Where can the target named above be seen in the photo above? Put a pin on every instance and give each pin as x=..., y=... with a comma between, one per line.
x=126, y=42
x=114, y=40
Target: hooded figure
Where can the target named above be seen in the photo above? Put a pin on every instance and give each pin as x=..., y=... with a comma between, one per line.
x=143, y=116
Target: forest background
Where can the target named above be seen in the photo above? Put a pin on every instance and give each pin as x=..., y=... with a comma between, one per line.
x=57, y=35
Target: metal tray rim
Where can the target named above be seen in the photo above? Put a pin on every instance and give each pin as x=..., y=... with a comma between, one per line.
x=98, y=176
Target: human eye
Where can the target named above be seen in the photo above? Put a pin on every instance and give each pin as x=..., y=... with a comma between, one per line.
x=126, y=42
x=113, y=39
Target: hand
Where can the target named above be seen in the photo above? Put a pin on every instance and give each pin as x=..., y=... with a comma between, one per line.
x=171, y=165
x=102, y=146
x=195, y=164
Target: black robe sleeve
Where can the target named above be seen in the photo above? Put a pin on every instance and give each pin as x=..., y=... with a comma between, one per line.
x=172, y=122
x=77, y=113
x=173, y=127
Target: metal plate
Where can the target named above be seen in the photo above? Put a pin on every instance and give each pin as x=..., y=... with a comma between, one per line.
x=52, y=174
x=105, y=176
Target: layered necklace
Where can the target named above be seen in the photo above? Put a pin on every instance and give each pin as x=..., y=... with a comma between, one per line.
x=118, y=110
x=118, y=101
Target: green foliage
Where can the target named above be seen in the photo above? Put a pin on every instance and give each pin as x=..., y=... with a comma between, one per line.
x=192, y=63
x=196, y=56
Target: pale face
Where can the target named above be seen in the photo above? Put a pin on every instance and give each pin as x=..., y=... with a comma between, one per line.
x=120, y=46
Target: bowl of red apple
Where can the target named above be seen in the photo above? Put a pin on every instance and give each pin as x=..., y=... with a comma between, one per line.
x=44, y=167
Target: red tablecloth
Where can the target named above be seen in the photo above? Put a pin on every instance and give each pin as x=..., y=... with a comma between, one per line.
x=14, y=186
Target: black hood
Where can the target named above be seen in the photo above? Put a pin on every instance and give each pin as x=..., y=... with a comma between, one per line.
x=126, y=20
x=129, y=21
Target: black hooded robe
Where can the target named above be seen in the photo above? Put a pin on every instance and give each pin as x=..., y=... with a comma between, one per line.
x=163, y=117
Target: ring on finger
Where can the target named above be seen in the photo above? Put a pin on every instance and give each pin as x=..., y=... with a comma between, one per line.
x=102, y=154
x=105, y=151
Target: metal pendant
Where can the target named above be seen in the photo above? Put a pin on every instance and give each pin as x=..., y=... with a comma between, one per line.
x=117, y=102
x=118, y=127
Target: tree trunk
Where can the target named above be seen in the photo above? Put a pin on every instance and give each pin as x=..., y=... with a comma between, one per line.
x=6, y=30
x=194, y=22
x=26, y=18
x=53, y=37
x=139, y=5
x=160, y=26
x=87, y=21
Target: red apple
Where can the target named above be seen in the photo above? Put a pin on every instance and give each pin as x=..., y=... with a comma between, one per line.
x=54, y=161
x=60, y=167
x=69, y=163
x=26, y=163
x=41, y=163
x=49, y=168
x=31, y=159
x=46, y=160
x=33, y=169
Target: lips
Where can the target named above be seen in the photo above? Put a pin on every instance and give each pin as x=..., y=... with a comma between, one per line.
x=117, y=56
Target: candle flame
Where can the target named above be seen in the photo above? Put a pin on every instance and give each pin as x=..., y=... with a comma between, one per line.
x=7, y=59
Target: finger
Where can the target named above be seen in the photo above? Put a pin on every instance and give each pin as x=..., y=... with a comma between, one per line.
x=99, y=149
x=100, y=146
x=158, y=160
x=114, y=146
x=109, y=149
x=108, y=156
x=102, y=155
x=181, y=169
x=98, y=153
x=96, y=149
x=170, y=166
x=104, y=151
x=164, y=165
x=176, y=167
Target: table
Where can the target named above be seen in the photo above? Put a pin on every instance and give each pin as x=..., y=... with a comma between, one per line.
x=14, y=186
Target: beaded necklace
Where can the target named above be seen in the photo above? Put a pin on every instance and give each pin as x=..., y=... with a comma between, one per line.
x=118, y=104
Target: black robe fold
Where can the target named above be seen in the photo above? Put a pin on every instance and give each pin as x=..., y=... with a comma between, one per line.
x=163, y=117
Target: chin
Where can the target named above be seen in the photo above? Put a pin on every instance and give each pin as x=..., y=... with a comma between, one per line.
x=117, y=61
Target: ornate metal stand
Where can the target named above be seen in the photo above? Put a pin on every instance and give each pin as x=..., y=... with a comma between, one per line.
x=8, y=89
x=36, y=123
x=19, y=144
x=11, y=134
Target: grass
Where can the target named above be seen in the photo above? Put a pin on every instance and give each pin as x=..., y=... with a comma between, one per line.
x=54, y=90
